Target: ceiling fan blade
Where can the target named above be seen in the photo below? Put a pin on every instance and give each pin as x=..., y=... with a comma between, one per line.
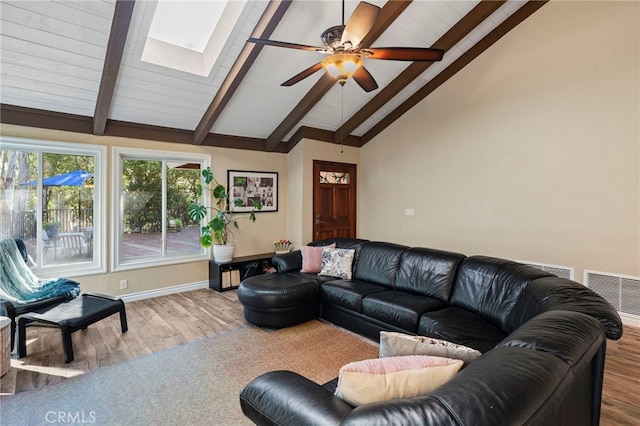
x=304, y=74
x=360, y=23
x=284, y=44
x=365, y=79
x=406, y=53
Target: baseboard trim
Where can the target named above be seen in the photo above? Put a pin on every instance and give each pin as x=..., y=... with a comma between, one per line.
x=629, y=319
x=149, y=294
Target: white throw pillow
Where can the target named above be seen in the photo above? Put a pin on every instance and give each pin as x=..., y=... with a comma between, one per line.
x=337, y=262
x=382, y=379
x=398, y=344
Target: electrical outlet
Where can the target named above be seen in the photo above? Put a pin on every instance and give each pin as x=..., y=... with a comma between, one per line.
x=124, y=284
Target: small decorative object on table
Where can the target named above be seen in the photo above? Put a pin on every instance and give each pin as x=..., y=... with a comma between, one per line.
x=282, y=246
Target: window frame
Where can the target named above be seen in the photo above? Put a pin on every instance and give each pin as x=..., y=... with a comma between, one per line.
x=98, y=265
x=119, y=154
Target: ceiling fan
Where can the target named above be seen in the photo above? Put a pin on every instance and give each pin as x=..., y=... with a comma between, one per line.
x=346, y=54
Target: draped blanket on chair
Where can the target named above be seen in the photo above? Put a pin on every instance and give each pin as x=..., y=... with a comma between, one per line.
x=18, y=283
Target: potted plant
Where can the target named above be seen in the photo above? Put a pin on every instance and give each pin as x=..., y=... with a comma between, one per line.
x=224, y=217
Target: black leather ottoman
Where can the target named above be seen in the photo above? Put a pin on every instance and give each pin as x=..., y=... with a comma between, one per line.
x=279, y=300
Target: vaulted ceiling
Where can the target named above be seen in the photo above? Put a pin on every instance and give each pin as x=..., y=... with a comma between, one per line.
x=76, y=66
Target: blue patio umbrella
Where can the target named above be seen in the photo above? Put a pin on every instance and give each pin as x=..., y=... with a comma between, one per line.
x=74, y=178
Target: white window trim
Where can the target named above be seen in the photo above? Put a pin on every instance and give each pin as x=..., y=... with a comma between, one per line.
x=116, y=211
x=98, y=265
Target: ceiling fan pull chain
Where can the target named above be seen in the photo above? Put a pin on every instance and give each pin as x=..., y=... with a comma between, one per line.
x=342, y=119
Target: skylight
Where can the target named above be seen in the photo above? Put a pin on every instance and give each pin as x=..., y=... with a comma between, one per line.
x=187, y=24
x=188, y=35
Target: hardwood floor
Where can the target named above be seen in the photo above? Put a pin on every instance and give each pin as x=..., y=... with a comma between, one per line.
x=154, y=324
x=164, y=322
x=621, y=391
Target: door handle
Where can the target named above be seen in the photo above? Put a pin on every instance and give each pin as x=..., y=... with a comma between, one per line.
x=318, y=221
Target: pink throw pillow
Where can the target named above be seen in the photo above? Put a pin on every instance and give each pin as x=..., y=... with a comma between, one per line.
x=312, y=258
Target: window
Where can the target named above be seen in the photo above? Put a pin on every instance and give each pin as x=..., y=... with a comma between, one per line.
x=151, y=225
x=51, y=196
x=337, y=178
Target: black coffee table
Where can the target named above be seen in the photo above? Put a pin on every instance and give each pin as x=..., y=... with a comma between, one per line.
x=70, y=317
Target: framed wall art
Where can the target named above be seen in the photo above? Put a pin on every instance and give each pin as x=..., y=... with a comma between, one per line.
x=253, y=186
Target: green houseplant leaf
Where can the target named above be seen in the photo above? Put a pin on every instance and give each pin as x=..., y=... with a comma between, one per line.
x=223, y=215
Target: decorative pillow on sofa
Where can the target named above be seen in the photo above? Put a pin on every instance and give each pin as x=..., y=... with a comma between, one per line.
x=337, y=262
x=312, y=258
x=398, y=344
x=382, y=379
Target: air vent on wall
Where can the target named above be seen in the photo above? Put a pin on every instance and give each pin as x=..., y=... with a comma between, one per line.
x=622, y=291
x=561, y=271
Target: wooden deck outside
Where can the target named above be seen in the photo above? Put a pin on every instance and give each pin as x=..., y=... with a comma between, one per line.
x=134, y=245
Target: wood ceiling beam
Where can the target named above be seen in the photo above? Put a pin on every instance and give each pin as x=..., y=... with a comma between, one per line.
x=461, y=29
x=115, y=49
x=389, y=12
x=39, y=118
x=305, y=105
x=265, y=27
x=319, y=135
x=507, y=25
x=44, y=119
x=168, y=134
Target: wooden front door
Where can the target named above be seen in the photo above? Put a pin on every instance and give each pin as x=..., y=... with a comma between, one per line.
x=334, y=200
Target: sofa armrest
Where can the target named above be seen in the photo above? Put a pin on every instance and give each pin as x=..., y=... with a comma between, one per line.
x=554, y=293
x=288, y=262
x=287, y=398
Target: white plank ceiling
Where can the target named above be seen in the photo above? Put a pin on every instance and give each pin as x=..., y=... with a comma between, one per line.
x=53, y=54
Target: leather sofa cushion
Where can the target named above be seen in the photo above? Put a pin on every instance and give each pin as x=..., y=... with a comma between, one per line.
x=400, y=309
x=378, y=263
x=460, y=326
x=348, y=293
x=571, y=336
x=428, y=272
x=491, y=287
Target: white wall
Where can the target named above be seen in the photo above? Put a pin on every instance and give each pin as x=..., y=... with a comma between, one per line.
x=531, y=152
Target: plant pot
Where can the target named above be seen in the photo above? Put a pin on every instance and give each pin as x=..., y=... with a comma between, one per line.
x=223, y=252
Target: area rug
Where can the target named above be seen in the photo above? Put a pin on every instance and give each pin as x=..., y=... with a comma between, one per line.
x=193, y=384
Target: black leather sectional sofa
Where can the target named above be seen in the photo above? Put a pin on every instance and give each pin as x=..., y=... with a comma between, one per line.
x=542, y=338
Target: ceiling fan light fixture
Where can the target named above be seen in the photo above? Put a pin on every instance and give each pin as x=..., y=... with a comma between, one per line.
x=342, y=65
